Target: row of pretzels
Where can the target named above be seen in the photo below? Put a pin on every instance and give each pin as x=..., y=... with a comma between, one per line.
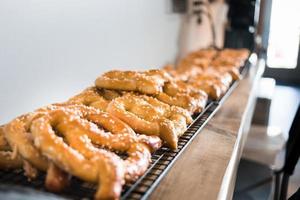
x=132, y=113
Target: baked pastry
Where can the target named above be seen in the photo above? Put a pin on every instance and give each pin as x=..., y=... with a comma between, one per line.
x=183, y=72
x=194, y=61
x=214, y=83
x=9, y=158
x=231, y=58
x=149, y=116
x=233, y=71
x=77, y=154
x=97, y=98
x=175, y=73
x=181, y=94
x=17, y=134
x=209, y=54
x=35, y=137
x=149, y=82
x=237, y=54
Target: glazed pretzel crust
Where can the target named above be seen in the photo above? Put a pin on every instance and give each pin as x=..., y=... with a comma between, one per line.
x=149, y=116
x=9, y=158
x=183, y=95
x=77, y=153
x=214, y=83
x=97, y=98
x=18, y=135
x=149, y=82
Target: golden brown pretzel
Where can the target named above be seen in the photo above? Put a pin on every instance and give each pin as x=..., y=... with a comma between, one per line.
x=160, y=75
x=9, y=158
x=233, y=71
x=97, y=98
x=182, y=72
x=188, y=62
x=149, y=82
x=237, y=54
x=214, y=83
x=227, y=60
x=149, y=116
x=90, y=97
x=231, y=58
x=170, y=69
x=183, y=95
x=19, y=137
x=3, y=143
x=79, y=126
x=209, y=54
x=56, y=179
x=81, y=158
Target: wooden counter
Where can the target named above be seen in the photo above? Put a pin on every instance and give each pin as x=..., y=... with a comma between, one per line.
x=208, y=166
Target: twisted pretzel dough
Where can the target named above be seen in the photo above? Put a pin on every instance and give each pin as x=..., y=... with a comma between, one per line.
x=235, y=54
x=214, y=83
x=224, y=61
x=182, y=72
x=149, y=82
x=183, y=95
x=149, y=116
x=231, y=58
x=194, y=62
x=97, y=98
x=209, y=54
x=175, y=74
x=77, y=154
x=19, y=137
x=8, y=157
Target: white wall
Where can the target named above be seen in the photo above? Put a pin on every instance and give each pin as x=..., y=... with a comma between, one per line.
x=52, y=49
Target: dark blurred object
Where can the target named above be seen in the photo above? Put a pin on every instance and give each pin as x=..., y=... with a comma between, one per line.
x=179, y=6
x=263, y=103
x=291, y=159
x=241, y=13
x=240, y=32
x=295, y=196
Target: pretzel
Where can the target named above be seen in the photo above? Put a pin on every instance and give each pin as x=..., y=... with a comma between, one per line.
x=201, y=58
x=231, y=58
x=187, y=62
x=77, y=153
x=8, y=157
x=236, y=54
x=183, y=95
x=182, y=72
x=214, y=83
x=9, y=161
x=149, y=82
x=149, y=116
x=159, y=74
x=18, y=135
x=233, y=71
x=97, y=98
x=209, y=54
x=56, y=179
x=174, y=73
